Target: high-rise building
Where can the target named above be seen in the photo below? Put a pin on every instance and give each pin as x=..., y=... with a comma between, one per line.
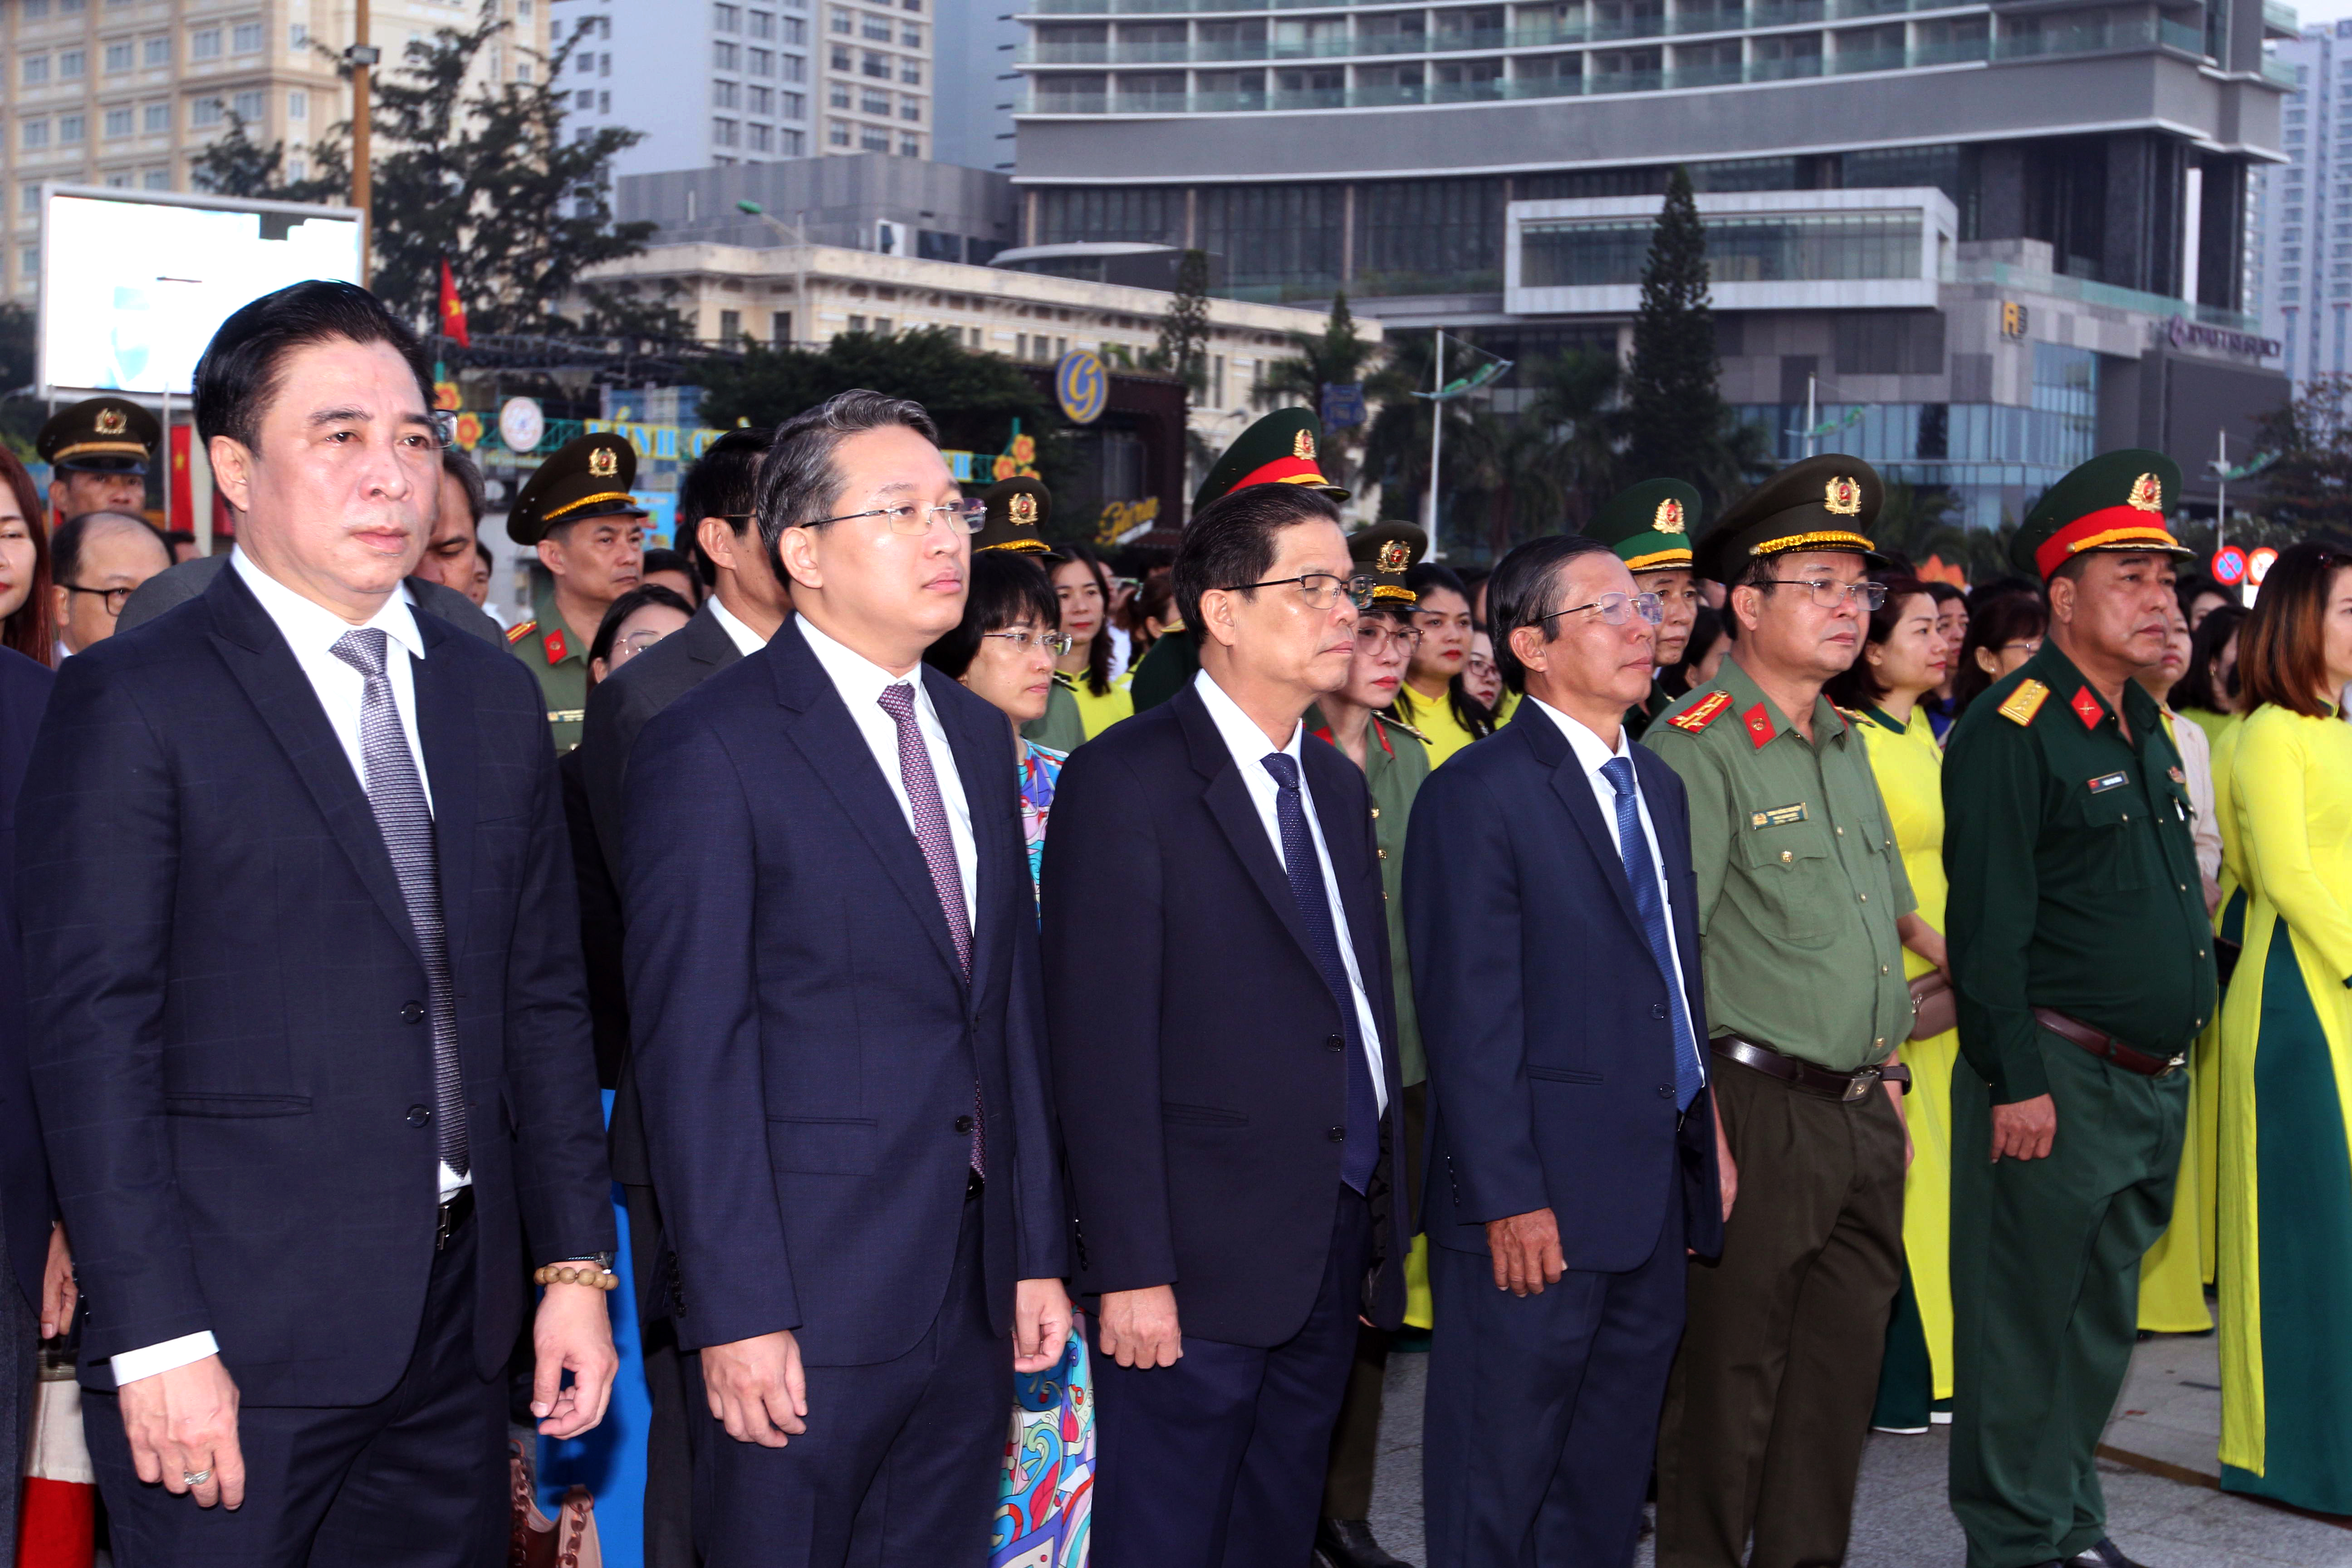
x=717, y=83
x=2299, y=214
x=130, y=92
x=1978, y=240
x=978, y=43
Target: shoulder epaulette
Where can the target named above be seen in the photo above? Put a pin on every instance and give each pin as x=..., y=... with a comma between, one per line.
x=1061, y=678
x=2024, y=702
x=520, y=630
x=1400, y=724
x=1699, y=715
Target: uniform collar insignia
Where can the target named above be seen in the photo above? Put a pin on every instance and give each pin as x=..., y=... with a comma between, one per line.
x=1759, y=725
x=2087, y=708
x=555, y=648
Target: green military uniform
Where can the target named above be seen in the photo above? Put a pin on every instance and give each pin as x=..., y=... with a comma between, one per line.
x=1798, y=890
x=1018, y=511
x=2076, y=900
x=1279, y=449
x=1649, y=528
x=588, y=477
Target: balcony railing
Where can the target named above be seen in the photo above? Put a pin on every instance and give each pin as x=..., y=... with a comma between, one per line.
x=1719, y=18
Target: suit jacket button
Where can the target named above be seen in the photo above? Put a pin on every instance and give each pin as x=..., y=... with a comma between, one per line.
x=1657, y=1009
x=412, y=1012
x=1334, y=1043
x=963, y=1124
x=1665, y=1092
x=420, y=1115
x=1339, y=1135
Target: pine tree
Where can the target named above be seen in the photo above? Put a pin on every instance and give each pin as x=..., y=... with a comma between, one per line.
x=1184, y=330
x=1674, y=414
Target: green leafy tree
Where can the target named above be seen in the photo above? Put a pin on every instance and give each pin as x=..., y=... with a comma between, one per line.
x=973, y=397
x=1575, y=397
x=1396, y=443
x=234, y=164
x=1514, y=467
x=2309, y=486
x=1184, y=330
x=1674, y=408
x=1335, y=356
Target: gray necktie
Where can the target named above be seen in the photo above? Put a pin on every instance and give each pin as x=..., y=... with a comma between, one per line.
x=397, y=796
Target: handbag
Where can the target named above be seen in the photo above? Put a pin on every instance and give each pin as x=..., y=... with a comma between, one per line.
x=1934, y=1009
x=535, y=1540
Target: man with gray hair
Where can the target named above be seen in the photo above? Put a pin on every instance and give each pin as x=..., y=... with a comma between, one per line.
x=837, y=1026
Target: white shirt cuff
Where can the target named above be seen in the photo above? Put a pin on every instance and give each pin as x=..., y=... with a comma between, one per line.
x=149, y=1359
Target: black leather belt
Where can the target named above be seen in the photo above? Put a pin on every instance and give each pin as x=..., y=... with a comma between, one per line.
x=455, y=1212
x=2105, y=1046
x=1804, y=1074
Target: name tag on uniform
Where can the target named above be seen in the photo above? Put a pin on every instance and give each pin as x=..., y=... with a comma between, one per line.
x=2107, y=782
x=1778, y=816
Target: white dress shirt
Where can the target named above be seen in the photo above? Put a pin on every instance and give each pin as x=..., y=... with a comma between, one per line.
x=311, y=630
x=860, y=682
x=747, y=641
x=1248, y=744
x=1592, y=756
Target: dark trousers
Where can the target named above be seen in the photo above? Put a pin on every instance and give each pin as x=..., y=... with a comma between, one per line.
x=899, y=1465
x=670, y=1456
x=2045, y=1298
x=419, y=1479
x=1770, y=1400
x=1534, y=1444
x=20, y=1364
x=1218, y=1461
x=1356, y=1437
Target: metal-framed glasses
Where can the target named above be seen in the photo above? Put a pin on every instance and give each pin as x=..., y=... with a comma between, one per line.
x=1321, y=590
x=631, y=644
x=914, y=522
x=1618, y=608
x=1056, y=642
x=1829, y=593
x=1376, y=636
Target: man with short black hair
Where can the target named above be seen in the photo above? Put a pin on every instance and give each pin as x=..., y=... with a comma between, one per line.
x=97, y=561
x=304, y=974
x=461, y=498
x=1225, y=1057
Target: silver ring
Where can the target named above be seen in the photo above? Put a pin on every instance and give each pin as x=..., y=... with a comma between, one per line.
x=195, y=1477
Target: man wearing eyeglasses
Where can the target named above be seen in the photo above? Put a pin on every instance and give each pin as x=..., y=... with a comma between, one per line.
x=838, y=1032
x=1798, y=891
x=1224, y=1055
x=97, y=559
x=1649, y=528
x=576, y=510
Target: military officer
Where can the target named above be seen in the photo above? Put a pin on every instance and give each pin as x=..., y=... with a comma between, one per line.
x=2083, y=966
x=99, y=451
x=1649, y=528
x=1018, y=511
x=1799, y=889
x=576, y=510
x=1279, y=449
x=1396, y=761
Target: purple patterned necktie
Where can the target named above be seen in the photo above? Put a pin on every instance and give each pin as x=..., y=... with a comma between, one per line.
x=931, y=834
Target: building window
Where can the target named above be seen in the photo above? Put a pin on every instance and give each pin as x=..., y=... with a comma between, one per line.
x=586, y=99
x=585, y=64
x=763, y=138
x=763, y=24
x=911, y=72
x=1794, y=247
x=118, y=58
x=155, y=52
x=876, y=66
x=837, y=95
x=796, y=30
x=911, y=109
x=877, y=29
x=876, y=103
x=762, y=62
x=727, y=57
x=72, y=65
x=522, y=71
x=857, y=324
x=205, y=113
x=779, y=328
x=844, y=23
x=204, y=44
x=840, y=59
x=762, y=100
x=873, y=139
x=731, y=322
x=156, y=179
x=36, y=134
x=70, y=130
x=725, y=134
x=725, y=95
x=795, y=68
x=155, y=118
x=911, y=36
x=605, y=64
x=29, y=261
x=910, y=146
x=604, y=103
x=914, y=5
x=298, y=105
x=837, y=132
x=118, y=182
x=298, y=36
x=245, y=39
x=727, y=18
x=117, y=124
x=28, y=199
x=298, y=168
x=796, y=107
x=253, y=107
x=792, y=144
x=37, y=69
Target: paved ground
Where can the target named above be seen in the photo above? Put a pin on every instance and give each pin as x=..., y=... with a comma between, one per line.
x=2169, y=1417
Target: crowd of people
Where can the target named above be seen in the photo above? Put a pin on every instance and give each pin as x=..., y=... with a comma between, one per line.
x=1066, y=1021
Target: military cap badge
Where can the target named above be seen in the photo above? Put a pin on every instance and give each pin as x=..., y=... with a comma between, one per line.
x=1669, y=518
x=604, y=462
x=1302, y=446
x=1843, y=496
x=1393, y=555
x=1022, y=507
x=2147, y=493
x=111, y=422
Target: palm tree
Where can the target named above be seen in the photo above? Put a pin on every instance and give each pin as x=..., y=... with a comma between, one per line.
x=1335, y=356
x=1575, y=399
x=1515, y=464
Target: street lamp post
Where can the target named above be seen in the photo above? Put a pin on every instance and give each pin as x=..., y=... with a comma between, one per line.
x=362, y=57
x=803, y=313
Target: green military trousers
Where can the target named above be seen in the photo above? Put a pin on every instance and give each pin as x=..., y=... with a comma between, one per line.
x=2045, y=1297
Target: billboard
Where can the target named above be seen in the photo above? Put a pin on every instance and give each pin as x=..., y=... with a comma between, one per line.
x=133, y=283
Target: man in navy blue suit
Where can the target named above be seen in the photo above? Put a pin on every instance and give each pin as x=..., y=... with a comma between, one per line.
x=839, y=1046
x=303, y=963
x=1224, y=1056
x=1574, y=1151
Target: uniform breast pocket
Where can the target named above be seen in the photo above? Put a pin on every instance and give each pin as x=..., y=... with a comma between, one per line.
x=1794, y=876
x=2116, y=841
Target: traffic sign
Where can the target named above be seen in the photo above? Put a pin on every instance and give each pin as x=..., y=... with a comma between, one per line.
x=2229, y=566
x=2258, y=565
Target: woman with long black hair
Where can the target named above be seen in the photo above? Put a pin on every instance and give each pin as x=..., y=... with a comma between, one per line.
x=1082, y=587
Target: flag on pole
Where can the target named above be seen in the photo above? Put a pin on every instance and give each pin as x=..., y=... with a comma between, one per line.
x=453, y=310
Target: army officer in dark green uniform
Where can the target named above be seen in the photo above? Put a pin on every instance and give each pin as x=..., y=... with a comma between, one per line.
x=1395, y=761
x=2084, y=968
x=1800, y=892
x=1649, y=528
x=577, y=513
x=1018, y=511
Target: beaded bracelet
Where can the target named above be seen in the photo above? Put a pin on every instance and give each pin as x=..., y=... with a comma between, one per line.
x=588, y=1274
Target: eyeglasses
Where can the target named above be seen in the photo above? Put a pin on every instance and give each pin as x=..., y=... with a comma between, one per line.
x=1830, y=593
x=115, y=597
x=1321, y=590
x=634, y=643
x=1056, y=642
x=1375, y=639
x=914, y=522
x=2032, y=645
x=1615, y=608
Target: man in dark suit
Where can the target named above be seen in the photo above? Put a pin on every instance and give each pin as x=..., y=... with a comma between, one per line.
x=1573, y=1151
x=304, y=973
x=1224, y=1056
x=838, y=1039
x=176, y=585
x=37, y=1288
x=744, y=607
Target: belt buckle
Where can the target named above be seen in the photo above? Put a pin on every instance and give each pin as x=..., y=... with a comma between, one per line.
x=1858, y=1085
x=2175, y=1065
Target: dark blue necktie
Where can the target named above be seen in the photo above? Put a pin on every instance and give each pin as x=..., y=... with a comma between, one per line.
x=1640, y=870
x=1362, y=1143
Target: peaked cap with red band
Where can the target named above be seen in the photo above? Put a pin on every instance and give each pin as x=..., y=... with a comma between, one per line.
x=2117, y=501
x=1283, y=448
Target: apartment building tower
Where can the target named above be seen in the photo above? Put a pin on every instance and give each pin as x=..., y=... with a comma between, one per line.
x=2299, y=213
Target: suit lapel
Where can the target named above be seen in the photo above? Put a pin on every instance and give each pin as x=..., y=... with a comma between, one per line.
x=1228, y=799
x=984, y=763
x=1574, y=789
x=259, y=660
x=445, y=729
x=706, y=641
x=1343, y=839
x=836, y=751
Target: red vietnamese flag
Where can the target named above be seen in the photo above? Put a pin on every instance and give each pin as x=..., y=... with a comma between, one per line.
x=453, y=310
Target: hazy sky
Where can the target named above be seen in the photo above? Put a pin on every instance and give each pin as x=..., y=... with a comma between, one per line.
x=2323, y=10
